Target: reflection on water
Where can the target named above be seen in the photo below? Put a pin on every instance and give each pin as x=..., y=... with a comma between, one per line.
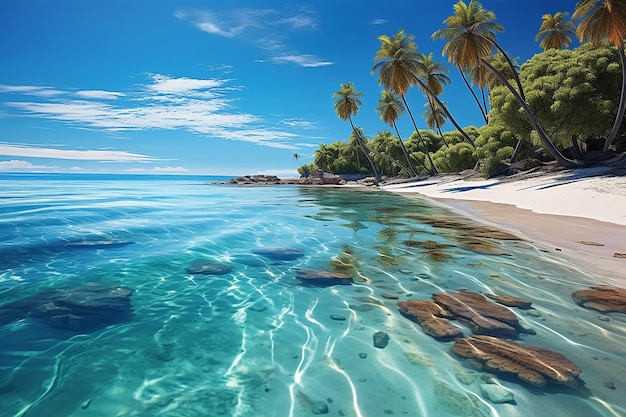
x=221, y=325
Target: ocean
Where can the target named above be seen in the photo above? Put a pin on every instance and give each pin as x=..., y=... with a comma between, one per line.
x=170, y=295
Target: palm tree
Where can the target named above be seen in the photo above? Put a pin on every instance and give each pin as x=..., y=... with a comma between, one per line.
x=471, y=36
x=605, y=19
x=435, y=119
x=398, y=62
x=555, y=31
x=390, y=108
x=434, y=75
x=347, y=104
x=470, y=33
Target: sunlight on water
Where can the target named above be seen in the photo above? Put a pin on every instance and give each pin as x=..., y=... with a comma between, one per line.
x=219, y=324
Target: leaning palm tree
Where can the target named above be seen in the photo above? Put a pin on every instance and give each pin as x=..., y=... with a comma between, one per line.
x=555, y=31
x=398, y=60
x=470, y=33
x=605, y=19
x=471, y=36
x=390, y=108
x=434, y=75
x=435, y=119
x=347, y=104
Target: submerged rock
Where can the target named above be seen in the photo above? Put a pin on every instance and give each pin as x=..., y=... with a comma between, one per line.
x=480, y=315
x=323, y=278
x=510, y=300
x=431, y=317
x=315, y=407
x=381, y=340
x=83, y=308
x=530, y=364
x=496, y=393
x=279, y=254
x=602, y=298
x=209, y=268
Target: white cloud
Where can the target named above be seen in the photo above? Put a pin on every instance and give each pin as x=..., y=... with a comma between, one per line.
x=19, y=165
x=88, y=155
x=299, y=123
x=305, y=60
x=199, y=106
x=266, y=28
x=99, y=94
x=379, y=21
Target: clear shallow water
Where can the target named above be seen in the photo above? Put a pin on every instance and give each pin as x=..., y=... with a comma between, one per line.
x=253, y=341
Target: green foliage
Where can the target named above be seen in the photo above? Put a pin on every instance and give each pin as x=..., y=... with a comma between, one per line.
x=340, y=158
x=456, y=158
x=494, y=136
x=570, y=91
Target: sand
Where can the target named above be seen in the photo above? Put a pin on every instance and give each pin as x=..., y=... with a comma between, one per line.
x=579, y=213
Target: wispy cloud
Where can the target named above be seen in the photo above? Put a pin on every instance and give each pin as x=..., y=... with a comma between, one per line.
x=83, y=155
x=19, y=165
x=268, y=29
x=379, y=21
x=200, y=106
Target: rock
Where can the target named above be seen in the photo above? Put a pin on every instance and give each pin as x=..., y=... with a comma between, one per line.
x=323, y=278
x=431, y=317
x=590, y=243
x=338, y=317
x=619, y=255
x=362, y=355
x=209, y=268
x=316, y=407
x=389, y=296
x=609, y=384
x=496, y=394
x=83, y=308
x=602, y=298
x=510, y=300
x=381, y=339
x=255, y=180
x=480, y=315
x=530, y=364
x=279, y=254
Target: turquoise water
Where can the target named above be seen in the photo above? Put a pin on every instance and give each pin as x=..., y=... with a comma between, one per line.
x=249, y=339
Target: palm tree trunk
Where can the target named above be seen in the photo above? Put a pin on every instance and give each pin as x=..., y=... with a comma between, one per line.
x=445, y=111
x=469, y=87
x=365, y=151
x=433, y=170
x=558, y=156
x=513, y=70
x=622, y=104
x=406, y=153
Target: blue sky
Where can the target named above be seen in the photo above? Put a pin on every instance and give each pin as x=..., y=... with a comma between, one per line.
x=210, y=87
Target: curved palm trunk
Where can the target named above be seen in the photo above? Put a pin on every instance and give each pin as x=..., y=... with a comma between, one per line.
x=558, y=156
x=432, y=110
x=513, y=70
x=622, y=104
x=365, y=151
x=469, y=87
x=406, y=153
x=433, y=170
x=446, y=112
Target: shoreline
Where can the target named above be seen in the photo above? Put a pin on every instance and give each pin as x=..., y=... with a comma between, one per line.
x=580, y=215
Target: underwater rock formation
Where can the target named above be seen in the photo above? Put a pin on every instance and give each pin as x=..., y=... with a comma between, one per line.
x=209, y=268
x=279, y=254
x=323, y=278
x=479, y=314
x=603, y=298
x=531, y=364
x=510, y=300
x=88, y=307
x=431, y=317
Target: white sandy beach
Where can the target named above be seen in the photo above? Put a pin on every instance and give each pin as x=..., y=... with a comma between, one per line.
x=580, y=213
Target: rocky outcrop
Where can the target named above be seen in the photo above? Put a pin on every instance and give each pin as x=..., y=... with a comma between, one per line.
x=602, y=298
x=431, y=317
x=479, y=314
x=255, y=180
x=323, y=278
x=84, y=308
x=530, y=364
x=209, y=268
x=510, y=300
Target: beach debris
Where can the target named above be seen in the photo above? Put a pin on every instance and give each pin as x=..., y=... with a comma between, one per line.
x=431, y=317
x=619, y=255
x=209, y=268
x=315, y=407
x=497, y=394
x=602, y=298
x=88, y=307
x=590, y=243
x=279, y=254
x=323, y=278
x=510, y=300
x=530, y=364
x=479, y=314
x=381, y=339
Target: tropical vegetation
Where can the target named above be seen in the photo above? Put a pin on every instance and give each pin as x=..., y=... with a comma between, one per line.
x=565, y=105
